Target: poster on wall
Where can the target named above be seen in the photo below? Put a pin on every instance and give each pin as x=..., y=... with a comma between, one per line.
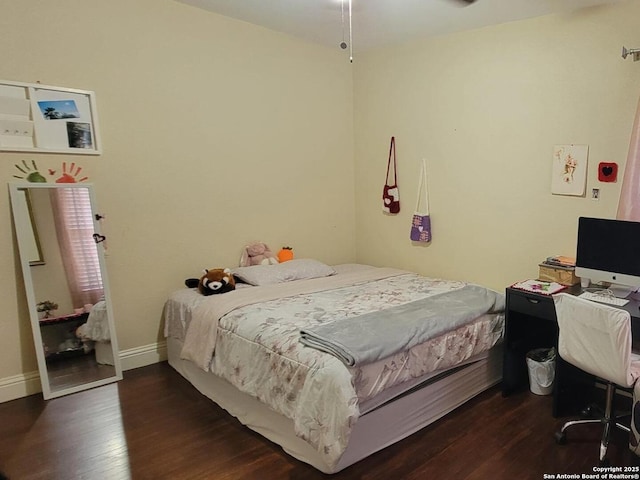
x=569, y=170
x=63, y=119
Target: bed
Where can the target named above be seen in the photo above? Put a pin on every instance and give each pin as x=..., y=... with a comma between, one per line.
x=244, y=350
x=95, y=333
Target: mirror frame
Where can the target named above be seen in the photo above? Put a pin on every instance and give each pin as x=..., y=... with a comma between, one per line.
x=22, y=225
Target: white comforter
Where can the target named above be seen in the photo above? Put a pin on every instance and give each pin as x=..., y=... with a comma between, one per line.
x=97, y=326
x=257, y=349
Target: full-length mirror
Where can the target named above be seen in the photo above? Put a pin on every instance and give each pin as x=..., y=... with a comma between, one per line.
x=68, y=293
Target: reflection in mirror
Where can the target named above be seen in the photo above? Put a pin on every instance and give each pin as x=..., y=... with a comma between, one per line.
x=69, y=301
x=32, y=239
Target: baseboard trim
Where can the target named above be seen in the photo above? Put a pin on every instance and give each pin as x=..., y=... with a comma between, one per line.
x=23, y=385
x=19, y=386
x=143, y=356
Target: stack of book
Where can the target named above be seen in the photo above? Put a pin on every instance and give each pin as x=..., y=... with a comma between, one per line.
x=559, y=269
x=560, y=261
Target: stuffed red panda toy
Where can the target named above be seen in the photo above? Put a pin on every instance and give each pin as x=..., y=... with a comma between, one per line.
x=213, y=281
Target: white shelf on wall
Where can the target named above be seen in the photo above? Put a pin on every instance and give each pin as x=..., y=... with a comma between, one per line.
x=47, y=119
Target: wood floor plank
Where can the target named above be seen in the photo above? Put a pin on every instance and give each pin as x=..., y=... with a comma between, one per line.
x=154, y=425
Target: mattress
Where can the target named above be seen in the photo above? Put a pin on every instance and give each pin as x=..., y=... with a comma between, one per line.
x=257, y=350
x=392, y=421
x=96, y=327
x=95, y=333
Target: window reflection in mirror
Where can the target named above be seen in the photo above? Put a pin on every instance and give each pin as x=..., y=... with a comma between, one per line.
x=75, y=343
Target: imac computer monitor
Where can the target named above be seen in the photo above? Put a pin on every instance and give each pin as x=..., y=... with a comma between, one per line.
x=609, y=251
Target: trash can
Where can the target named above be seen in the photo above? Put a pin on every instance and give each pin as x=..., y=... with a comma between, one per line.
x=541, y=363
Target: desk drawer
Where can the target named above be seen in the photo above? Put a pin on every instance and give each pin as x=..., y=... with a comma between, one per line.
x=534, y=305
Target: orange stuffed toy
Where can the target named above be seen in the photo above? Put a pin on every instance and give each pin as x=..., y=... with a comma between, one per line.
x=285, y=254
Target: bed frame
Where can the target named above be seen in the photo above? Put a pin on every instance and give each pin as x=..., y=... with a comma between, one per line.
x=386, y=424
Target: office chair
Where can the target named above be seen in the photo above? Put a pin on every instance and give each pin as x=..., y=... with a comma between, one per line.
x=596, y=338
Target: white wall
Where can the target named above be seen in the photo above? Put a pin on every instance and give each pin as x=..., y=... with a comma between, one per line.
x=486, y=108
x=216, y=133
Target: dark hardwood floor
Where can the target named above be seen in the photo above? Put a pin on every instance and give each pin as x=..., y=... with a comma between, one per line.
x=73, y=371
x=154, y=425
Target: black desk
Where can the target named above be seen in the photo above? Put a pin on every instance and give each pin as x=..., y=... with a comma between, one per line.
x=531, y=323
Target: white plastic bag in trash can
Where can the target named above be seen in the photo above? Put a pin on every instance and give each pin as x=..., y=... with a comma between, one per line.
x=542, y=370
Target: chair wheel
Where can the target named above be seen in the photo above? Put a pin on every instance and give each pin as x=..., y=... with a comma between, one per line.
x=561, y=438
x=591, y=411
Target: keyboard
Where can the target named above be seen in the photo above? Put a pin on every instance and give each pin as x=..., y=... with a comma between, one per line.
x=604, y=298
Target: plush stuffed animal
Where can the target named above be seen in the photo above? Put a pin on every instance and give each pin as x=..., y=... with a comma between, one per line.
x=216, y=280
x=285, y=254
x=257, y=254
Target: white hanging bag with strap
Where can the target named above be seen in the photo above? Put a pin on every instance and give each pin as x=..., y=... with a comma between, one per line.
x=421, y=222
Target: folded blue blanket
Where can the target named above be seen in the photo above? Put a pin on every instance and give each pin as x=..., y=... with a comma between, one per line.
x=376, y=335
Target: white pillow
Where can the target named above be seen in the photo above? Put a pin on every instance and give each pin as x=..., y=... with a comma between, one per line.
x=300, y=269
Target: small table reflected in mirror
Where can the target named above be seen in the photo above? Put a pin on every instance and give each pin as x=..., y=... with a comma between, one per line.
x=59, y=338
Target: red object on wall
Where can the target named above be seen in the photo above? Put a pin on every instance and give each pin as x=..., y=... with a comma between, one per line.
x=607, y=172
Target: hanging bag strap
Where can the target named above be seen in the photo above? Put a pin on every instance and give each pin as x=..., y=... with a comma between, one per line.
x=422, y=182
x=392, y=152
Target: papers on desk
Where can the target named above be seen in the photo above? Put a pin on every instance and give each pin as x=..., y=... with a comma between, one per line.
x=538, y=286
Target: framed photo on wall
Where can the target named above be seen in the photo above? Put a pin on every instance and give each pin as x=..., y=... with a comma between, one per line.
x=569, y=170
x=42, y=118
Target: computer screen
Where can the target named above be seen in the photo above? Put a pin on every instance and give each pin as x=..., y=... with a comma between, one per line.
x=609, y=251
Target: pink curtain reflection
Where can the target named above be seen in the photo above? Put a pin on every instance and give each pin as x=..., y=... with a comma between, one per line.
x=629, y=204
x=74, y=228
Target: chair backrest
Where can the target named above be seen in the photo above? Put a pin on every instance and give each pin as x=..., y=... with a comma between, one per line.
x=595, y=338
